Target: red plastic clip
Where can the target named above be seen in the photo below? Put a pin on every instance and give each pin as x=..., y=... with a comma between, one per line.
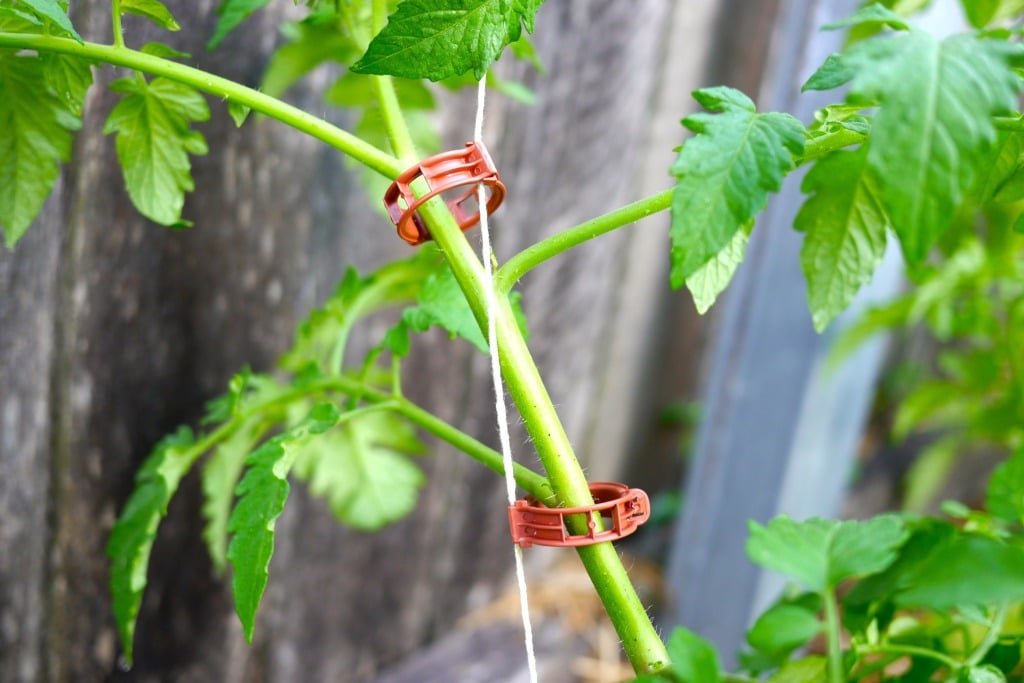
x=622, y=508
x=444, y=172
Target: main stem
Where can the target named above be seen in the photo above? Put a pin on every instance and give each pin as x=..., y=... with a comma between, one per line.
x=640, y=640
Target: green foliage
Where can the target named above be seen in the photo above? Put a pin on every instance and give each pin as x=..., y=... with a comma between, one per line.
x=713, y=277
x=362, y=469
x=820, y=553
x=438, y=39
x=131, y=539
x=844, y=226
x=934, y=129
x=154, y=142
x=231, y=14
x=40, y=105
x=262, y=494
x=153, y=10
x=693, y=659
x=725, y=174
x=1005, y=499
x=54, y=15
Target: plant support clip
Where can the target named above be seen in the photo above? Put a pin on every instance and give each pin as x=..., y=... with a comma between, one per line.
x=623, y=510
x=458, y=169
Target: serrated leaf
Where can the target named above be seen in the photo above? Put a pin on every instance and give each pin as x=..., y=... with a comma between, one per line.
x=131, y=540
x=231, y=13
x=832, y=74
x=437, y=39
x=725, y=174
x=844, y=224
x=713, y=277
x=876, y=13
x=53, y=13
x=967, y=570
x=219, y=478
x=14, y=20
x=783, y=628
x=819, y=553
x=933, y=132
x=693, y=658
x=1004, y=497
x=154, y=10
x=35, y=137
x=262, y=494
x=442, y=303
x=154, y=143
x=362, y=469
x=69, y=78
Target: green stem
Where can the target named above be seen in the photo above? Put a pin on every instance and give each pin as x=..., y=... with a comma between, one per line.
x=909, y=651
x=994, y=630
x=533, y=256
x=398, y=133
x=379, y=161
x=115, y=8
x=835, y=647
x=640, y=640
x=830, y=142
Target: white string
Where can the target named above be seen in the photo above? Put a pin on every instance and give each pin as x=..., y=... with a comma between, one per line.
x=499, y=392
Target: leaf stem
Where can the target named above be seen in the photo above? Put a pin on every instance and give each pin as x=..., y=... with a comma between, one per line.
x=533, y=256
x=115, y=8
x=833, y=629
x=991, y=636
x=379, y=161
x=910, y=651
x=398, y=133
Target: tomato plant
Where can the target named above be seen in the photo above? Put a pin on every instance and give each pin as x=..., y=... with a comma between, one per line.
x=926, y=148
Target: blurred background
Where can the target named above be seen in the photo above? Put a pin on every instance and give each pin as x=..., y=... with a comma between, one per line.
x=113, y=331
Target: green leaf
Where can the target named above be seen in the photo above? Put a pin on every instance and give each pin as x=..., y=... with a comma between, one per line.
x=153, y=10
x=165, y=51
x=725, y=174
x=1002, y=168
x=1005, y=495
x=982, y=13
x=52, y=11
x=436, y=39
x=14, y=20
x=783, y=628
x=845, y=233
x=231, y=14
x=933, y=132
x=968, y=570
x=693, y=658
x=312, y=42
x=131, y=539
x=35, y=137
x=930, y=472
x=442, y=303
x=357, y=90
x=154, y=141
x=220, y=476
x=982, y=674
x=238, y=112
x=68, y=78
x=262, y=495
x=927, y=400
x=820, y=553
x=362, y=469
x=713, y=277
x=832, y=74
x=876, y=13
x=806, y=670
x=322, y=337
